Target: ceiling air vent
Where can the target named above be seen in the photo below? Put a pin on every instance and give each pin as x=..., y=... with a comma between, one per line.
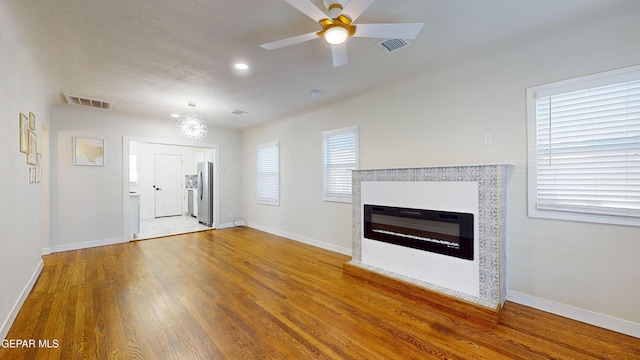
x=85, y=101
x=393, y=45
x=238, y=112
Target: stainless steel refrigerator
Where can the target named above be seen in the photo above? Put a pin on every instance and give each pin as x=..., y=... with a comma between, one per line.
x=205, y=193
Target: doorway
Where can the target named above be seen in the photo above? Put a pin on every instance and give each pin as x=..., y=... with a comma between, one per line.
x=158, y=209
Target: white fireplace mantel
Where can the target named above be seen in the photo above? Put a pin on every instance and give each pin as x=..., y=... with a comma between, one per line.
x=478, y=189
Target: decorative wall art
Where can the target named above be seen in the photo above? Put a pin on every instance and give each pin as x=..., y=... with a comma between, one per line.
x=29, y=146
x=32, y=174
x=32, y=153
x=39, y=168
x=88, y=151
x=24, y=139
x=32, y=121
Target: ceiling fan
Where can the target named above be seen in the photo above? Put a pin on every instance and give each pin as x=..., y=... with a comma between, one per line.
x=338, y=25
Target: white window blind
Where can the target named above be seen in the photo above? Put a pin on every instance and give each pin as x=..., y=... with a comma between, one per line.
x=588, y=147
x=269, y=174
x=340, y=151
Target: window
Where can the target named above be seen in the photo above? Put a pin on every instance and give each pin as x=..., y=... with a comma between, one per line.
x=340, y=152
x=584, y=148
x=133, y=169
x=269, y=174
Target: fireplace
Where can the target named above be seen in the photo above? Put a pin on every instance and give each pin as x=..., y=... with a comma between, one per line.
x=442, y=232
x=471, y=203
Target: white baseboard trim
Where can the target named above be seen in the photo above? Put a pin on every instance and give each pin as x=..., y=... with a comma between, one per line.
x=586, y=316
x=87, y=244
x=45, y=251
x=6, y=325
x=302, y=239
x=225, y=226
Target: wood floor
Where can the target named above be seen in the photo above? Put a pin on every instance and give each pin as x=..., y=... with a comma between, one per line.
x=244, y=294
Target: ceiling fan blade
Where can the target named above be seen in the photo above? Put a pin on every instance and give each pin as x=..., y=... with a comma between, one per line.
x=339, y=53
x=307, y=8
x=389, y=31
x=355, y=8
x=290, y=41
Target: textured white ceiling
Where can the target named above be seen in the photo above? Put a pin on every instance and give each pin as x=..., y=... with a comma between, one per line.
x=153, y=56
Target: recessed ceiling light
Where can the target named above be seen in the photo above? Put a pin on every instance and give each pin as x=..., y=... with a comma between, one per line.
x=241, y=66
x=175, y=115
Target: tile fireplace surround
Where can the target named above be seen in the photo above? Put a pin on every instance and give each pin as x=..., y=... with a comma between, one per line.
x=478, y=189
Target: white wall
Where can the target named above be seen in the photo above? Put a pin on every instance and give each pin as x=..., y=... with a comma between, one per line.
x=87, y=204
x=439, y=117
x=302, y=215
x=23, y=206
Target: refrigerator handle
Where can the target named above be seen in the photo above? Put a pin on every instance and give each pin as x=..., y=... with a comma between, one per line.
x=200, y=184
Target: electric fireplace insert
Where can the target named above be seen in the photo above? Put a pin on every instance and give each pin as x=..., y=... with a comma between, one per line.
x=442, y=232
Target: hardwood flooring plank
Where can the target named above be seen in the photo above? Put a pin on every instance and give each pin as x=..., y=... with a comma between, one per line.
x=322, y=339
x=592, y=341
x=245, y=294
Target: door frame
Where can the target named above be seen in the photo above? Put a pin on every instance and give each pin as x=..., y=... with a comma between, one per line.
x=126, y=140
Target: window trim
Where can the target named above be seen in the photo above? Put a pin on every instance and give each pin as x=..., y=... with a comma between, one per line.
x=532, y=93
x=276, y=200
x=331, y=133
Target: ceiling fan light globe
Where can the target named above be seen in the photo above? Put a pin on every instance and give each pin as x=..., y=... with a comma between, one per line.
x=336, y=35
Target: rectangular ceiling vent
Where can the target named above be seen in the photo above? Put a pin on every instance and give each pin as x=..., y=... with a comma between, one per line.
x=85, y=101
x=393, y=45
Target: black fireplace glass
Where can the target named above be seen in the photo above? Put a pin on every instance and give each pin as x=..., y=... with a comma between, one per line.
x=442, y=232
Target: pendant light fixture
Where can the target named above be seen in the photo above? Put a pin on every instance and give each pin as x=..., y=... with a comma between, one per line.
x=191, y=126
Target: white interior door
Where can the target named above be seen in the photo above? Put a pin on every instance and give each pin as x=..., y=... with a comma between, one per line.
x=168, y=185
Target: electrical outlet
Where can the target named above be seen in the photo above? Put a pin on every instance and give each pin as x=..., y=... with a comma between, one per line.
x=488, y=139
x=230, y=215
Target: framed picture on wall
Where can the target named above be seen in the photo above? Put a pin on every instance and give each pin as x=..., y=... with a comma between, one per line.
x=88, y=151
x=32, y=121
x=32, y=174
x=24, y=136
x=32, y=153
x=38, y=168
